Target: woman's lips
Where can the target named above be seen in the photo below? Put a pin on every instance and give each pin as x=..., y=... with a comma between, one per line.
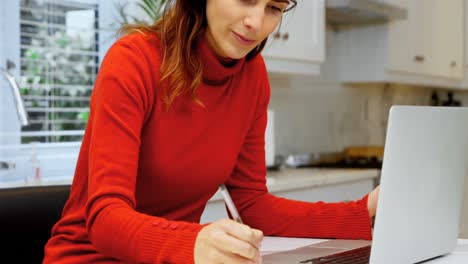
x=243, y=40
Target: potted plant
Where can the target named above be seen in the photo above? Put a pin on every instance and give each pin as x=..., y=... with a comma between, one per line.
x=152, y=8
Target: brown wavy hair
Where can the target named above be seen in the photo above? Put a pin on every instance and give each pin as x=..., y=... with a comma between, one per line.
x=181, y=23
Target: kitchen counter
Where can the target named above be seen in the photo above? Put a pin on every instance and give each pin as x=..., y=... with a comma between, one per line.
x=288, y=179
x=304, y=178
x=307, y=184
x=45, y=182
x=277, y=181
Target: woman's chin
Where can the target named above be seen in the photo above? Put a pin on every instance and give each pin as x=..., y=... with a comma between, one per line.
x=237, y=55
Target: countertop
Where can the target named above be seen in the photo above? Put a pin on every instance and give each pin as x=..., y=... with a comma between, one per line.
x=277, y=181
x=288, y=179
x=303, y=178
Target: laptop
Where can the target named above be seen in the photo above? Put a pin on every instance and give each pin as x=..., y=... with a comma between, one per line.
x=421, y=192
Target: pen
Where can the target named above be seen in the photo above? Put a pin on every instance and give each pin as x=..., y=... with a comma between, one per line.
x=230, y=204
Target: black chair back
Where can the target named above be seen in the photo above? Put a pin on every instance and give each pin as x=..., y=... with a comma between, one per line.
x=27, y=215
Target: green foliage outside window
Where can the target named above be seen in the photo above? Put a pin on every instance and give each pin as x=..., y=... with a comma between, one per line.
x=152, y=8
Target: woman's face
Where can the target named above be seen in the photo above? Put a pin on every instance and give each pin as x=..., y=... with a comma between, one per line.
x=236, y=27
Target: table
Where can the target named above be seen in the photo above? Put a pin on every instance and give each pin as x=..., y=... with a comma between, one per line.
x=277, y=244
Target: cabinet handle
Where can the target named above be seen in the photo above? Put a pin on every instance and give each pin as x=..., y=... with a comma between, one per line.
x=286, y=36
x=453, y=64
x=277, y=35
x=419, y=58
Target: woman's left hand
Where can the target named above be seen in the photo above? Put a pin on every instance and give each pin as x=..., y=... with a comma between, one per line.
x=372, y=201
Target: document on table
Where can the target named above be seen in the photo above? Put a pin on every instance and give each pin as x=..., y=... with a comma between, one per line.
x=462, y=247
x=458, y=256
x=275, y=244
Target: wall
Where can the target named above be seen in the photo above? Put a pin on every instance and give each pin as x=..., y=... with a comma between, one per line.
x=314, y=115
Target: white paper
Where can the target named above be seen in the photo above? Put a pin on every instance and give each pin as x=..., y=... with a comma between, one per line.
x=462, y=247
x=275, y=244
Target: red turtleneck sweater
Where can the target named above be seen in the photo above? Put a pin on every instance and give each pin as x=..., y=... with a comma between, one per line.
x=144, y=174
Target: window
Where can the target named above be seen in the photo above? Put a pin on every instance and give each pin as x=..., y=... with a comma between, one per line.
x=56, y=47
x=59, y=61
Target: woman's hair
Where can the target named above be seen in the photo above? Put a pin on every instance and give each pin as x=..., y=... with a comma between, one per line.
x=182, y=22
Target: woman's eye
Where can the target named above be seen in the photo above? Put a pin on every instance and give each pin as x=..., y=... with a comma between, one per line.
x=251, y=2
x=275, y=8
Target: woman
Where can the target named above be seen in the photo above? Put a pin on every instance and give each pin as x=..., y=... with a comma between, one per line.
x=177, y=110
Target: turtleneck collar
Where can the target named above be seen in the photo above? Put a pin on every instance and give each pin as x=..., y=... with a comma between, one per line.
x=214, y=72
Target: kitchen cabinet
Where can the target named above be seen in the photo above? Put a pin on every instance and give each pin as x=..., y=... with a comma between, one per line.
x=297, y=45
x=422, y=44
x=466, y=37
x=464, y=85
x=425, y=49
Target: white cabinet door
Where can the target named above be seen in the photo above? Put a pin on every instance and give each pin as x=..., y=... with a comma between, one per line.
x=447, y=52
x=299, y=39
x=300, y=35
x=466, y=35
x=430, y=41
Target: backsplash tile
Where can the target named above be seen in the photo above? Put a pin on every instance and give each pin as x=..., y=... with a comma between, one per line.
x=324, y=116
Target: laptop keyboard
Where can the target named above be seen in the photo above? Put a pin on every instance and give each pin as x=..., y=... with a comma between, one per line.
x=356, y=256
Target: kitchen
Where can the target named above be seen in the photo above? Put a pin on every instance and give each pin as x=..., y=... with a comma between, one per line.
x=332, y=82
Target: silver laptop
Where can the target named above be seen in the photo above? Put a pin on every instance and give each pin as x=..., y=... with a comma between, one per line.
x=419, y=208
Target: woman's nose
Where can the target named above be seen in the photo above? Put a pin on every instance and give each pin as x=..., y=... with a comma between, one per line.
x=254, y=19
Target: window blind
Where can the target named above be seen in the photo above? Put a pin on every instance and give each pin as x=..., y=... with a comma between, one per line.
x=59, y=63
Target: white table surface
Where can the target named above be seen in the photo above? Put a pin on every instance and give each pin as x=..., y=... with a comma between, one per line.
x=277, y=244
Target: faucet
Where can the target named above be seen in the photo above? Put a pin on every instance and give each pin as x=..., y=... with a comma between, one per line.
x=21, y=111
x=7, y=165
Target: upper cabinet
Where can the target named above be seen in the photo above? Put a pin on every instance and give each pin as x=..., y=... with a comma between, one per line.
x=430, y=42
x=297, y=46
x=426, y=49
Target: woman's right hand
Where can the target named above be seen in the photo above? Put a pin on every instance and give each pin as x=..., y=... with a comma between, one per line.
x=226, y=241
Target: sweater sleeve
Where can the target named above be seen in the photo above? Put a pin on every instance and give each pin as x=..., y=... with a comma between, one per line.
x=120, y=104
x=283, y=217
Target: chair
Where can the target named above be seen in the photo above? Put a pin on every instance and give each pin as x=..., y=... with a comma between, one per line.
x=27, y=215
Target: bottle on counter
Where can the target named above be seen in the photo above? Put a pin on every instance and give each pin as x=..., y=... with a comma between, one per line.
x=33, y=172
x=451, y=101
x=434, y=99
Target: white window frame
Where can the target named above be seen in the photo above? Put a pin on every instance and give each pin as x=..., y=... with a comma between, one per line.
x=57, y=160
